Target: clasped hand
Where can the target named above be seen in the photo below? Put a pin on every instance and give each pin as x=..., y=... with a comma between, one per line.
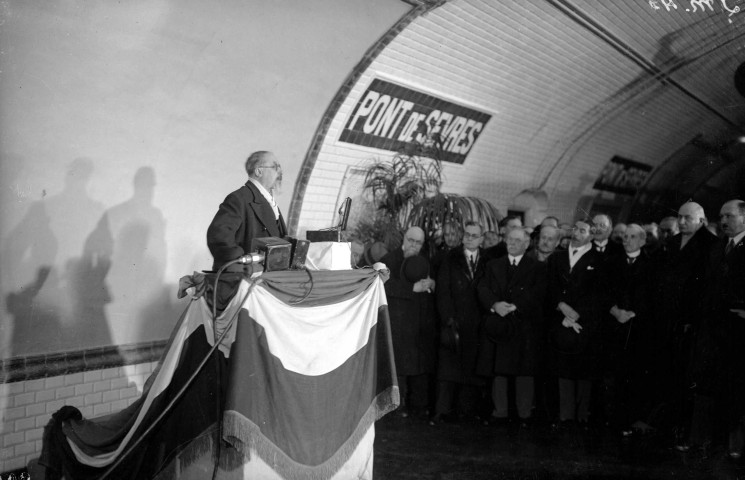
x=503, y=308
x=424, y=285
x=621, y=315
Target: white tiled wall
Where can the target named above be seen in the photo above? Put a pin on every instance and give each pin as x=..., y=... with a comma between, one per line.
x=28, y=406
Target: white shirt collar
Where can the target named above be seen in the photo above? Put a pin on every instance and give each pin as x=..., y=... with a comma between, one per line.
x=515, y=260
x=265, y=193
x=471, y=254
x=573, y=258
x=604, y=243
x=634, y=254
x=580, y=250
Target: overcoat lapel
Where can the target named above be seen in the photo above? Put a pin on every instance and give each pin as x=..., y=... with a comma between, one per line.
x=263, y=211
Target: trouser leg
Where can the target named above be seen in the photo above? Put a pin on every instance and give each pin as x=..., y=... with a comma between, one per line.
x=584, y=389
x=524, y=395
x=499, y=397
x=567, y=399
x=445, y=395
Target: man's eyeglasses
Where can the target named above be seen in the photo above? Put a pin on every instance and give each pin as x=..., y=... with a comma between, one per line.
x=275, y=167
x=473, y=236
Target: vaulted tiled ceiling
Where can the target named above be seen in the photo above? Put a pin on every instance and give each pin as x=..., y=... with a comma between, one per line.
x=572, y=84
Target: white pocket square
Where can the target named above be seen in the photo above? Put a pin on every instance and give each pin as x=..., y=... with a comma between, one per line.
x=590, y=267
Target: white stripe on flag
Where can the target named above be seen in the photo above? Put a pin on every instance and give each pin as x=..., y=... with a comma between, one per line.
x=315, y=340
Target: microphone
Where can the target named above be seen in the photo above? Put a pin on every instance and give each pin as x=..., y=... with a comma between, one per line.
x=250, y=258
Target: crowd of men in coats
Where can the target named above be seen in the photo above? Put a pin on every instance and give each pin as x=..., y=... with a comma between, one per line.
x=634, y=328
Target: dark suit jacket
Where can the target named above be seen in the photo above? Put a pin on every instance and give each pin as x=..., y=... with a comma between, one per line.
x=719, y=360
x=457, y=300
x=612, y=249
x=517, y=355
x=583, y=288
x=244, y=215
x=630, y=345
x=681, y=277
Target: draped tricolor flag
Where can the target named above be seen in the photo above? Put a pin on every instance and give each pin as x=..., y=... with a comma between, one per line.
x=306, y=369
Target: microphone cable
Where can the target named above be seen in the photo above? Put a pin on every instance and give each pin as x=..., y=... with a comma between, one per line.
x=192, y=377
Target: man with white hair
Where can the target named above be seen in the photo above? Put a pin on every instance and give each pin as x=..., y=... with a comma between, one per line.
x=249, y=212
x=628, y=344
x=410, y=292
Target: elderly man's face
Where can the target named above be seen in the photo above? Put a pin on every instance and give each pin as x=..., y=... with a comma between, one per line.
x=413, y=241
x=601, y=227
x=632, y=240
x=472, y=238
x=548, y=240
x=269, y=172
x=689, y=219
x=517, y=242
x=451, y=235
x=581, y=234
x=731, y=219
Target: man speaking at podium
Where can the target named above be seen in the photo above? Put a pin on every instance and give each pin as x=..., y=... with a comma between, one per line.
x=247, y=213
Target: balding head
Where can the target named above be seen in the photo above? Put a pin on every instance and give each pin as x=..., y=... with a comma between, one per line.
x=264, y=167
x=413, y=241
x=691, y=217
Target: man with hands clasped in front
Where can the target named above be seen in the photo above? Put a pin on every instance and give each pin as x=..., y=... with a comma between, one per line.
x=576, y=305
x=512, y=289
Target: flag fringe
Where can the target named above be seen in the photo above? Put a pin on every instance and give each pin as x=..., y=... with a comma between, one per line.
x=244, y=436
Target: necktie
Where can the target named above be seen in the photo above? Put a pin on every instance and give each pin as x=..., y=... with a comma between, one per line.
x=601, y=249
x=730, y=246
x=514, y=262
x=630, y=260
x=473, y=263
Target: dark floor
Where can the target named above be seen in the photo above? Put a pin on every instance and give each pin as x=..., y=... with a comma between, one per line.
x=410, y=448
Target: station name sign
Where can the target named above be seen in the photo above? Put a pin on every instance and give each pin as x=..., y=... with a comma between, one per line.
x=622, y=176
x=389, y=116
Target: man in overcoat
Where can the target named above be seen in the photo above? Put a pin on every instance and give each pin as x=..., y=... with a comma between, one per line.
x=411, y=308
x=247, y=213
x=720, y=356
x=682, y=268
x=513, y=290
x=628, y=344
x=576, y=306
x=460, y=319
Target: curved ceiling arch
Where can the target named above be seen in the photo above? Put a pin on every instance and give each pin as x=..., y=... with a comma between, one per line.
x=578, y=96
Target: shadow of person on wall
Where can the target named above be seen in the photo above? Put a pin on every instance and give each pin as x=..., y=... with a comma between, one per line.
x=130, y=237
x=40, y=285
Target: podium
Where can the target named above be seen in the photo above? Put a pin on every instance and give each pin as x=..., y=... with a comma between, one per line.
x=304, y=370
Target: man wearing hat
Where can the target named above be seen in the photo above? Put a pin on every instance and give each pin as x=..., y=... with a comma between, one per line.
x=413, y=327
